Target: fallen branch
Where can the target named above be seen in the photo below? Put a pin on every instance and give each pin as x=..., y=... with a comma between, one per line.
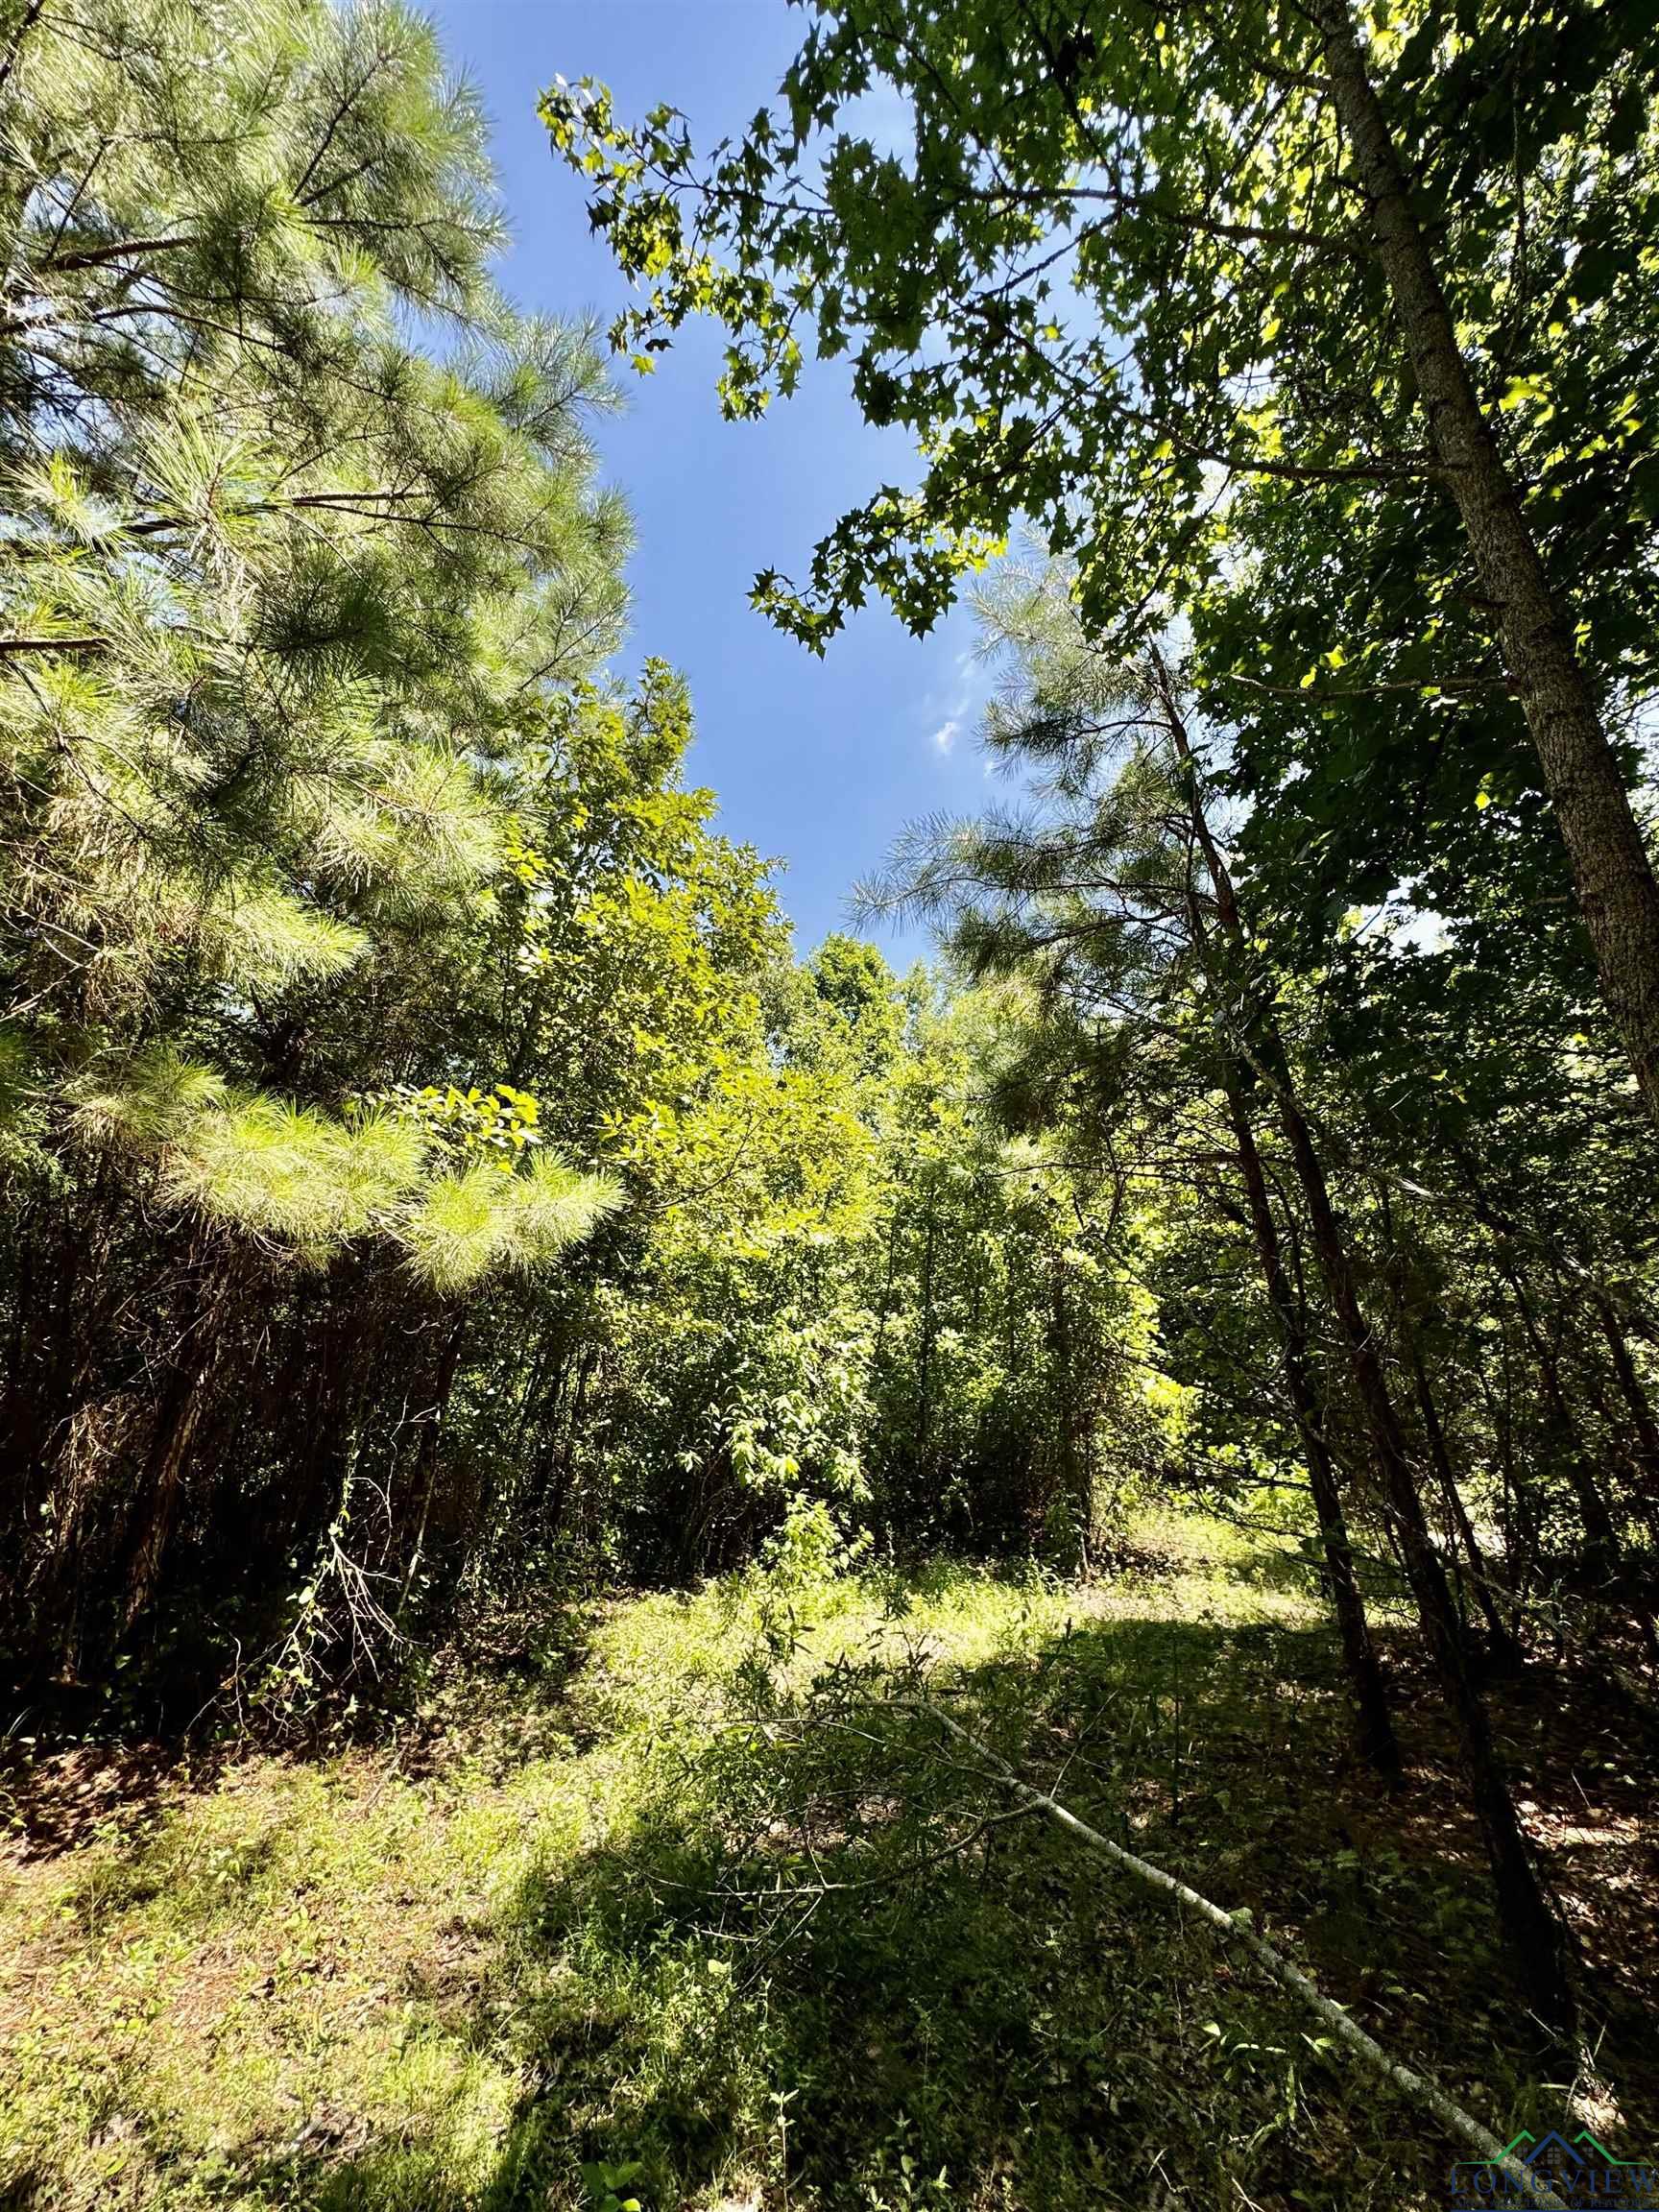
x=777, y=1895
x=1235, y=1930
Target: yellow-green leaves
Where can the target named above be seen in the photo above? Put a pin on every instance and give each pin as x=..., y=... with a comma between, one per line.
x=501, y=1121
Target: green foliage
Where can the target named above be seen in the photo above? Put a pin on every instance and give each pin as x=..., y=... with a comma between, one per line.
x=290, y=615
x=478, y=1222
x=1109, y=275
x=433, y=1180
x=415, y=1099
x=301, y=573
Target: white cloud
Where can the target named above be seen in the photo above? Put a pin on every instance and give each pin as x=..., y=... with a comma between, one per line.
x=953, y=701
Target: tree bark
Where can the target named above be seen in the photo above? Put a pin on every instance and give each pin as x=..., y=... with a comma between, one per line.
x=1537, y=1938
x=199, y=1358
x=430, y=1461
x=1503, y=1650
x=1612, y=873
x=1603, y=1554
x=1378, y=1744
x=1645, y=1453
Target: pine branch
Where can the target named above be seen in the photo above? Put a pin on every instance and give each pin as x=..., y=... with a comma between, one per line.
x=99, y=256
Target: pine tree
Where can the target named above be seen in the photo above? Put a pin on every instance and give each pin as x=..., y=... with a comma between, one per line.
x=305, y=543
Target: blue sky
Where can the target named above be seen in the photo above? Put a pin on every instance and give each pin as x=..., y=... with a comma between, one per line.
x=819, y=763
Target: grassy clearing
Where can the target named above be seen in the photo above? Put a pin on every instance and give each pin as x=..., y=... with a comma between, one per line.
x=577, y=1917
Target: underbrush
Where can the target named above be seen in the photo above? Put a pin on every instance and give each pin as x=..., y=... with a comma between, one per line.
x=690, y=1901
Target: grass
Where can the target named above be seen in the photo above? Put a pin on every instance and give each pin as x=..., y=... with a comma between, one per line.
x=671, y=1903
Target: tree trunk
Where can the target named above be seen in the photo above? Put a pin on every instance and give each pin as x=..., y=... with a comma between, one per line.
x=1603, y=1551
x=1378, y=1743
x=1071, y=1462
x=1537, y=1936
x=924, y=1373
x=1505, y=1650
x=1523, y=1534
x=199, y=1356
x=1612, y=873
x=1236, y=1926
x=1645, y=1453
x=431, y=1457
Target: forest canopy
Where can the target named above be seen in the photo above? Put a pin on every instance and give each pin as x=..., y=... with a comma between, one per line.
x=368, y=951
x=434, y=1184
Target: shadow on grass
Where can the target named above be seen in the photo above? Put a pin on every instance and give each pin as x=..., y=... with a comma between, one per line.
x=513, y=1684
x=822, y=1969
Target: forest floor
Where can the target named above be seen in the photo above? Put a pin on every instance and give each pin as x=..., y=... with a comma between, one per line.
x=667, y=1900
